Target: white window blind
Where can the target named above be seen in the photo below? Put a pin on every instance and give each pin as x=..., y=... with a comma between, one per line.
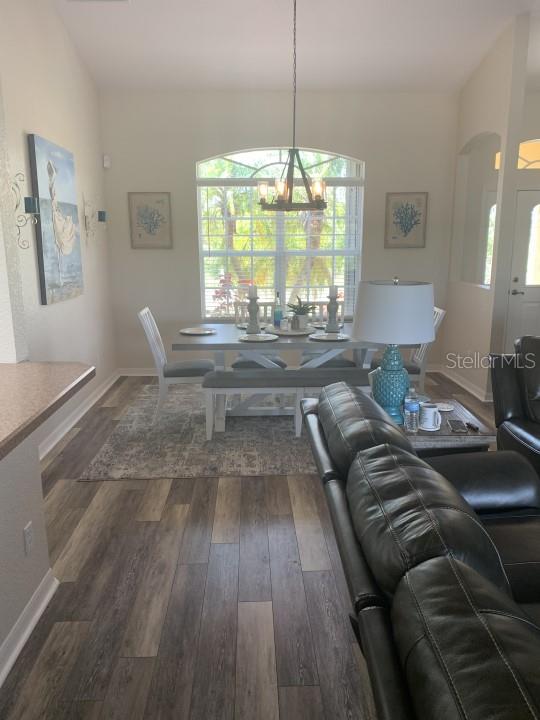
x=300, y=253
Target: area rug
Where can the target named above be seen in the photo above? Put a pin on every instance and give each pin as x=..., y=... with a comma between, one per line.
x=176, y=445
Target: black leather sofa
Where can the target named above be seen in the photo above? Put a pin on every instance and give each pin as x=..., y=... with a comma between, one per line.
x=442, y=559
x=515, y=380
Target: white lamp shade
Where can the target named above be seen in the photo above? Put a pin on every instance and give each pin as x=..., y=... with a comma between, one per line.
x=394, y=314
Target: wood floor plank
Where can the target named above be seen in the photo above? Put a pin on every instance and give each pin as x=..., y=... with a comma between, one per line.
x=295, y=655
x=27, y=658
x=227, y=516
x=309, y=531
x=155, y=496
x=169, y=697
x=114, y=393
x=91, y=674
x=86, y=534
x=370, y=712
x=128, y=690
x=86, y=710
x=146, y=619
x=254, y=582
x=215, y=666
x=198, y=532
x=278, y=501
x=301, y=703
x=339, y=677
x=181, y=492
x=43, y=688
x=256, y=682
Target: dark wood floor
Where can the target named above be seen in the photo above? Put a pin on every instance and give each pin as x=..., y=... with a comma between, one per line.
x=207, y=598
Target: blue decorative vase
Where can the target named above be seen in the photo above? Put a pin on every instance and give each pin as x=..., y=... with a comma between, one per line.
x=390, y=383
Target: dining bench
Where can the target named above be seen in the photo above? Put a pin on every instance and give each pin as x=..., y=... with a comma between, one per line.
x=221, y=384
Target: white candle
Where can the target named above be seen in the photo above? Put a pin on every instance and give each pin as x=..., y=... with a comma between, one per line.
x=252, y=292
x=333, y=291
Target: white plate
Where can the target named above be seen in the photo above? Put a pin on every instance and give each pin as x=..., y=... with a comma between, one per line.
x=198, y=331
x=425, y=429
x=293, y=333
x=266, y=337
x=322, y=325
x=329, y=337
x=444, y=407
x=243, y=326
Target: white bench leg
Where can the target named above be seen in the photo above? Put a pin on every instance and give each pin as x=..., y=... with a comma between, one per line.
x=298, y=413
x=209, y=414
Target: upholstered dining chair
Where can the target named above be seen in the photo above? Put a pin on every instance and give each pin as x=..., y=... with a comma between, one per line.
x=186, y=372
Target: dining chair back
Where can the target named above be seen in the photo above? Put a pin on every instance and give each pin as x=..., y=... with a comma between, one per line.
x=419, y=356
x=241, y=315
x=320, y=314
x=169, y=373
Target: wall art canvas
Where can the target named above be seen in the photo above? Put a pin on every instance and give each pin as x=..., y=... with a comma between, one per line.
x=58, y=236
x=150, y=220
x=406, y=215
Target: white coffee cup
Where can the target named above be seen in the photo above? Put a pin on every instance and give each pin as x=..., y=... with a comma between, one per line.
x=430, y=417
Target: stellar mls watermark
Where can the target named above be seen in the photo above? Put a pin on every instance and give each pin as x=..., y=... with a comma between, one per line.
x=477, y=360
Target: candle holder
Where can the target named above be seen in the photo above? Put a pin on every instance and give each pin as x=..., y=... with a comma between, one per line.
x=332, y=325
x=253, y=327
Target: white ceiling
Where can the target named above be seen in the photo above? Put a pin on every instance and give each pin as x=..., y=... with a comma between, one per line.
x=373, y=44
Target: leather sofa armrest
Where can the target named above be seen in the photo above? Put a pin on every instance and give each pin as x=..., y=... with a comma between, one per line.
x=387, y=679
x=491, y=481
x=325, y=466
x=505, y=385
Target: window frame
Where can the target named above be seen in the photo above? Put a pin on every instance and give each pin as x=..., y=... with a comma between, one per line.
x=354, y=215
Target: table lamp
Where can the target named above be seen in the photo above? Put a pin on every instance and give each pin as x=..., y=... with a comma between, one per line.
x=393, y=313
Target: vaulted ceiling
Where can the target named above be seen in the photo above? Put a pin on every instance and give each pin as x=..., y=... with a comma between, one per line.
x=407, y=45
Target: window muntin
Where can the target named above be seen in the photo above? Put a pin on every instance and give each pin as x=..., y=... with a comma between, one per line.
x=295, y=253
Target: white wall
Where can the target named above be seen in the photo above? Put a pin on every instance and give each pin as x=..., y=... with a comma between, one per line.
x=47, y=90
x=155, y=139
x=484, y=107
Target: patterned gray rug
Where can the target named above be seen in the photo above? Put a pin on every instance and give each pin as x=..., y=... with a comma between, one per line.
x=176, y=445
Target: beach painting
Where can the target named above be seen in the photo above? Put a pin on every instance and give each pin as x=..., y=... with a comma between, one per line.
x=58, y=234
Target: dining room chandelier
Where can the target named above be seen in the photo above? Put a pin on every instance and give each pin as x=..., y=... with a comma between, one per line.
x=283, y=189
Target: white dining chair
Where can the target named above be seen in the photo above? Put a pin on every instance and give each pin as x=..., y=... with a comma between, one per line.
x=185, y=372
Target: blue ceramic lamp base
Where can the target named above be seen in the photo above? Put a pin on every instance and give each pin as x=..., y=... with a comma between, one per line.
x=390, y=383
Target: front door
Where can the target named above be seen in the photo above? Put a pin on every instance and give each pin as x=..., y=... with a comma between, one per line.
x=524, y=298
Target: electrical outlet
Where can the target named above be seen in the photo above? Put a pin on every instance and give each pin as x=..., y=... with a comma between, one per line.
x=28, y=534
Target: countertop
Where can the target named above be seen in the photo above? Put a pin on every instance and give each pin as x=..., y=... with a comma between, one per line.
x=32, y=391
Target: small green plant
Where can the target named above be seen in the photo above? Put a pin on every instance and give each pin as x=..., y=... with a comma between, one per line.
x=301, y=308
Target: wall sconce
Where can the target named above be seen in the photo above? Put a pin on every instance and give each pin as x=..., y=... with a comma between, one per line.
x=31, y=209
x=92, y=216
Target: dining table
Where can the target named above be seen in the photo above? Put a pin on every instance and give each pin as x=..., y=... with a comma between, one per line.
x=227, y=337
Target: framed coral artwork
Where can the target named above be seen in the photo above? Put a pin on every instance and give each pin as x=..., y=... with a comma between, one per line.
x=150, y=220
x=406, y=215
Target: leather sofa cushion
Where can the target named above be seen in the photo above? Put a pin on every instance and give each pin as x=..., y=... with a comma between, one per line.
x=527, y=348
x=404, y=513
x=518, y=542
x=467, y=649
x=352, y=421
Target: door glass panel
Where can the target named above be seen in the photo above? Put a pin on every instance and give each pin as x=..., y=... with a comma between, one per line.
x=533, y=259
x=490, y=238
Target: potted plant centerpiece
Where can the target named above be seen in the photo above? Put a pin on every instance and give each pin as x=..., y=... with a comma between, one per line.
x=300, y=312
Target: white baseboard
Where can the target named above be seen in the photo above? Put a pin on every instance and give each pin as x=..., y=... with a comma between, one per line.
x=136, y=372
x=27, y=620
x=65, y=426
x=475, y=390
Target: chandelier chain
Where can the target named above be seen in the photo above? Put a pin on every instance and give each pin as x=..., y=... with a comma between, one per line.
x=294, y=75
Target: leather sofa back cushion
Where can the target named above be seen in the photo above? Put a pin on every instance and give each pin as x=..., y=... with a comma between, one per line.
x=528, y=350
x=352, y=421
x=404, y=513
x=468, y=651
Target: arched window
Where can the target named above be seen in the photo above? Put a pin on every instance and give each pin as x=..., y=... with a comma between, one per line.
x=528, y=156
x=293, y=253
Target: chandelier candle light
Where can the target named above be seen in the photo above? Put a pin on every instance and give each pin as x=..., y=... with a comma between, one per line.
x=282, y=198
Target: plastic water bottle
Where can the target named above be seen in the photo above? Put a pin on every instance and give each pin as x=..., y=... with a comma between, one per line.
x=411, y=412
x=278, y=312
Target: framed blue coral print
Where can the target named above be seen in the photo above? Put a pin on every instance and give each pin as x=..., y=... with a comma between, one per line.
x=150, y=220
x=406, y=215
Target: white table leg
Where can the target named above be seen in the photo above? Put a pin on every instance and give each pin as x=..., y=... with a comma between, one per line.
x=219, y=359
x=260, y=359
x=319, y=360
x=220, y=410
